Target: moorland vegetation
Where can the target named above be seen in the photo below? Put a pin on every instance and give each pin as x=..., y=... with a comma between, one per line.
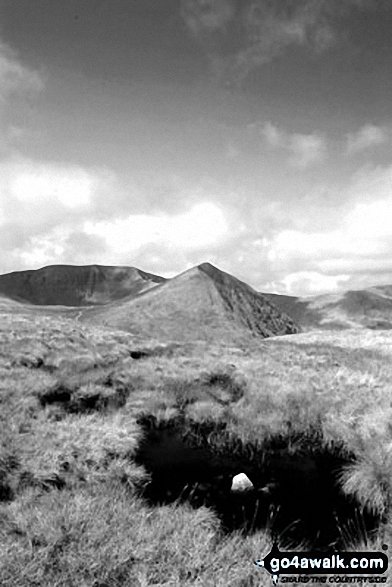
x=72, y=399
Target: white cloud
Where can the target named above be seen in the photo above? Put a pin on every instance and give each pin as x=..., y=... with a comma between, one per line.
x=371, y=220
x=44, y=249
x=202, y=226
x=304, y=149
x=367, y=136
x=312, y=283
x=274, y=136
x=363, y=268
x=364, y=232
x=359, y=243
x=49, y=212
x=153, y=242
x=307, y=149
x=41, y=204
x=38, y=194
x=310, y=249
x=70, y=186
x=60, y=244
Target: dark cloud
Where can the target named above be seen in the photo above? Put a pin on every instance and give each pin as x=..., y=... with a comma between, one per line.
x=240, y=36
x=15, y=76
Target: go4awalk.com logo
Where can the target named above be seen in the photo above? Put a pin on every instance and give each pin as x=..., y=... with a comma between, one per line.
x=338, y=565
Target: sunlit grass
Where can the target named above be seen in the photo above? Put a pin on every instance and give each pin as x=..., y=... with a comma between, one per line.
x=101, y=535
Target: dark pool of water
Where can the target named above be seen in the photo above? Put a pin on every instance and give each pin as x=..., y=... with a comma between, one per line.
x=296, y=497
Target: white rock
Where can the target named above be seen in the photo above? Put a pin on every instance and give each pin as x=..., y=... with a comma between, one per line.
x=241, y=483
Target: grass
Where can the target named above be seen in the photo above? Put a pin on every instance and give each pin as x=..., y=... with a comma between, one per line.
x=70, y=399
x=82, y=538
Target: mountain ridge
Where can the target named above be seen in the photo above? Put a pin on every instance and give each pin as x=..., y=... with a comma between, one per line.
x=202, y=303
x=94, y=286
x=75, y=285
x=366, y=308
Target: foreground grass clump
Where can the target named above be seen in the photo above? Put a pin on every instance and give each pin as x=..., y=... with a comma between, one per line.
x=67, y=475
x=101, y=536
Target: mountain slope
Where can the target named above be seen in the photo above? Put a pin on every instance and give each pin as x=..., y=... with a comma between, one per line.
x=202, y=303
x=367, y=308
x=207, y=298
x=71, y=285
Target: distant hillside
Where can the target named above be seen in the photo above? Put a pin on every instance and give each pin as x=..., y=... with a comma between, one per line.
x=205, y=299
x=70, y=285
x=202, y=303
x=367, y=308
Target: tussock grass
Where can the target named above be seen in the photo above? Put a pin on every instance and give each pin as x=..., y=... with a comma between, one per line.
x=221, y=387
x=93, y=530
x=8, y=464
x=98, y=536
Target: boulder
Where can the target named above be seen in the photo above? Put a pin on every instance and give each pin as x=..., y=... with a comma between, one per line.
x=241, y=483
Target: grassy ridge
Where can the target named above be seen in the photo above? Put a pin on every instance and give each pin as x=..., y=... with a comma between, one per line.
x=70, y=396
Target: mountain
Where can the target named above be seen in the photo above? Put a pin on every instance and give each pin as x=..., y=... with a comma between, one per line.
x=71, y=285
x=204, y=300
x=202, y=303
x=367, y=308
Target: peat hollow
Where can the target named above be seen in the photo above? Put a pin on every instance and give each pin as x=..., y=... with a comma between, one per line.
x=295, y=493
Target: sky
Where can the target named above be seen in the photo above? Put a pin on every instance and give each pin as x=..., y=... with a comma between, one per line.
x=161, y=134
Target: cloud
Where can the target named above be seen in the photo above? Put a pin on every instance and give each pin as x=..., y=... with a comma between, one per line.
x=241, y=36
x=304, y=149
x=204, y=225
x=356, y=247
x=36, y=192
x=43, y=248
x=33, y=183
x=52, y=213
x=207, y=15
x=363, y=233
x=366, y=137
x=15, y=76
x=307, y=149
x=62, y=244
x=37, y=197
x=274, y=136
x=312, y=283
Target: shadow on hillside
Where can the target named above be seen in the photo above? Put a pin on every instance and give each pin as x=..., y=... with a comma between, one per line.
x=295, y=493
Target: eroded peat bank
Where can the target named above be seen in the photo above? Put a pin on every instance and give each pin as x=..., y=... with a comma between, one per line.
x=293, y=492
